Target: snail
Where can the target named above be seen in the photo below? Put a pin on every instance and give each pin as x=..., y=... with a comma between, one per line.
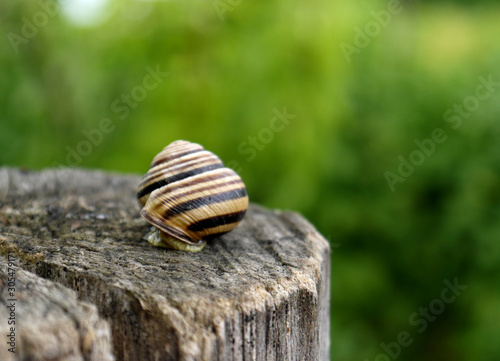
x=190, y=197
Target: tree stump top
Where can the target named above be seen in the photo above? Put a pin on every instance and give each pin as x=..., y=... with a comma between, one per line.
x=258, y=292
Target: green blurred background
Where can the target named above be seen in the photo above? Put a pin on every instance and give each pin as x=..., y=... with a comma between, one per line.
x=231, y=66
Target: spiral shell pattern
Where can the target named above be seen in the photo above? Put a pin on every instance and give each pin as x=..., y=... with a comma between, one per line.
x=189, y=194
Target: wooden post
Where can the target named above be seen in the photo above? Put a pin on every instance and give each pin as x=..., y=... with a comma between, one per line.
x=260, y=292
x=41, y=320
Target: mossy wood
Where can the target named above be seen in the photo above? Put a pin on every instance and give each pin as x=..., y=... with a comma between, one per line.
x=260, y=292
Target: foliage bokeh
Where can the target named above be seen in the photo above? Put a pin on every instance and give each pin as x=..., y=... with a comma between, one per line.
x=392, y=250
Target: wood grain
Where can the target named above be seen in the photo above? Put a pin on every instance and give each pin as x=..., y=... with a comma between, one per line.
x=260, y=292
x=46, y=321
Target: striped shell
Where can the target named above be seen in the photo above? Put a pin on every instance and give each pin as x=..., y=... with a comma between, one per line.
x=189, y=194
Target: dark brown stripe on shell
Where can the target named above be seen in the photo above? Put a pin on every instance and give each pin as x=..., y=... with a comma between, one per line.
x=163, y=182
x=168, y=158
x=217, y=221
x=179, y=166
x=203, y=201
x=205, y=180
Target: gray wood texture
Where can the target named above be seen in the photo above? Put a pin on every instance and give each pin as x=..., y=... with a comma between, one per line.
x=260, y=292
x=41, y=320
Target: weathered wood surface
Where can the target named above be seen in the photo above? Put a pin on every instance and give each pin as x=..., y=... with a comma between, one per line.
x=260, y=292
x=41, y=320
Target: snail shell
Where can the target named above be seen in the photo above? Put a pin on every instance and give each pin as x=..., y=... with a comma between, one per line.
x=189, y=196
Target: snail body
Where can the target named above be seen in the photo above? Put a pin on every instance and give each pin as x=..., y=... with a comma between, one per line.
x=190, y=197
